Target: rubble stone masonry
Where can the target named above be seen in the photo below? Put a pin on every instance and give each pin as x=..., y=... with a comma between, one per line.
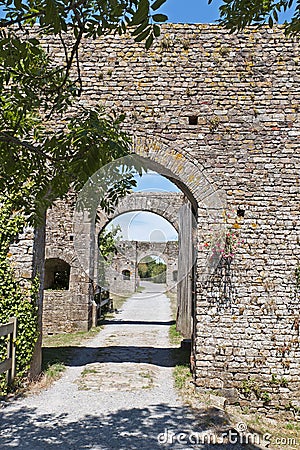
x=224, y=108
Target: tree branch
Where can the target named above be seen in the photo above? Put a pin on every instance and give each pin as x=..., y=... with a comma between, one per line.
x=4, y=23
x=5, y=137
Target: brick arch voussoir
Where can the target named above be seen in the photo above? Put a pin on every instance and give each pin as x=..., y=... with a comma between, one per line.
x=189, y=171
x=149, y=203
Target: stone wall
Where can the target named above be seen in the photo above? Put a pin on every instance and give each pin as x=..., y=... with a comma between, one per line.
x=66, y=310
x=27, y=259
x=71, y=308
x=222, y=111
x=130, y=253
x=165, y=204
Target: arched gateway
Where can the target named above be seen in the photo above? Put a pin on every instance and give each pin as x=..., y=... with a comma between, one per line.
x=72, y=239
x=166, y=205
x=219, y=113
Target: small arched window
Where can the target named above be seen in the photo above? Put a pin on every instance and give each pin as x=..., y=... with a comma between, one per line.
x=175, y=275
x=57, y=274
x=126, y=275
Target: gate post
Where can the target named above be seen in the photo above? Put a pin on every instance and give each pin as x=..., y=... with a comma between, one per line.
x=11, y=351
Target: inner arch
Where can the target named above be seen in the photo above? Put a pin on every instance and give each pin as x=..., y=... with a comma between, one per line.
x=144, y=226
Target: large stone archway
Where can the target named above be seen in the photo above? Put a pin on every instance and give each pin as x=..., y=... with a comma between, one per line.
x=200, y=202
x=241, y=153
x=167, y=205
x=128, y=258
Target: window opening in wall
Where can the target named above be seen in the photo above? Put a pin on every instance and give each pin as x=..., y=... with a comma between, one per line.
x=57, y=274
x=193, y=120
x=175, y=275
x=240, y=212
x=126, y=275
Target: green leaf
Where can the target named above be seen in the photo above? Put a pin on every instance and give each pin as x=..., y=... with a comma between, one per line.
x=141, y=13
x=160, y=17
x=271, y=22
x=157, y=4
x=149, y=41
x=18, y=4
x=156, y=30
x=141, y=28
x=34, y=41
x=141, y=37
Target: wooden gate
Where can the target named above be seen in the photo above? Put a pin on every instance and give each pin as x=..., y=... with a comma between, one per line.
x=185, y=272
x=9, y=364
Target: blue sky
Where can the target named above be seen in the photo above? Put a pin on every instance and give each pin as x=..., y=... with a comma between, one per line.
x=153, y=182
x=191, y=11
x=144, y=226
x=196, y=11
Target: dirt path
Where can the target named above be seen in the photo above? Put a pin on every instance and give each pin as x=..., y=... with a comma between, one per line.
x=117, y=394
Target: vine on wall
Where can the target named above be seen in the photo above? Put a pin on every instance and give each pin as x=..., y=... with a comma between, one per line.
x=220, y=284
x=14, y=300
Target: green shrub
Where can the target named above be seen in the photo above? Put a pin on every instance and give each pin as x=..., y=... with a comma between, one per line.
x=14, y=300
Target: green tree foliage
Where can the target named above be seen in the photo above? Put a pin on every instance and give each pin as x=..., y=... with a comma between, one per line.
x=38, y=161
x=108, y=241
x=153, y=270
x=35, y=90
x=15, y=301
x=237, y=14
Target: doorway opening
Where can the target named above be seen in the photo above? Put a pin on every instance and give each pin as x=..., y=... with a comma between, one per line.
x=152, y=268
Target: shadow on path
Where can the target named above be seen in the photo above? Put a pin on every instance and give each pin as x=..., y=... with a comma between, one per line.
x=135, y=322
x=130, y=429
x=163, y=357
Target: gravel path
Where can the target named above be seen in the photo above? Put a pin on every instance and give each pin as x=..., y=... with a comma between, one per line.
x=117, y=393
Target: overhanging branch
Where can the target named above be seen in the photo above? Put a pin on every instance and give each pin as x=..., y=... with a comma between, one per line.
x=5, y=137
